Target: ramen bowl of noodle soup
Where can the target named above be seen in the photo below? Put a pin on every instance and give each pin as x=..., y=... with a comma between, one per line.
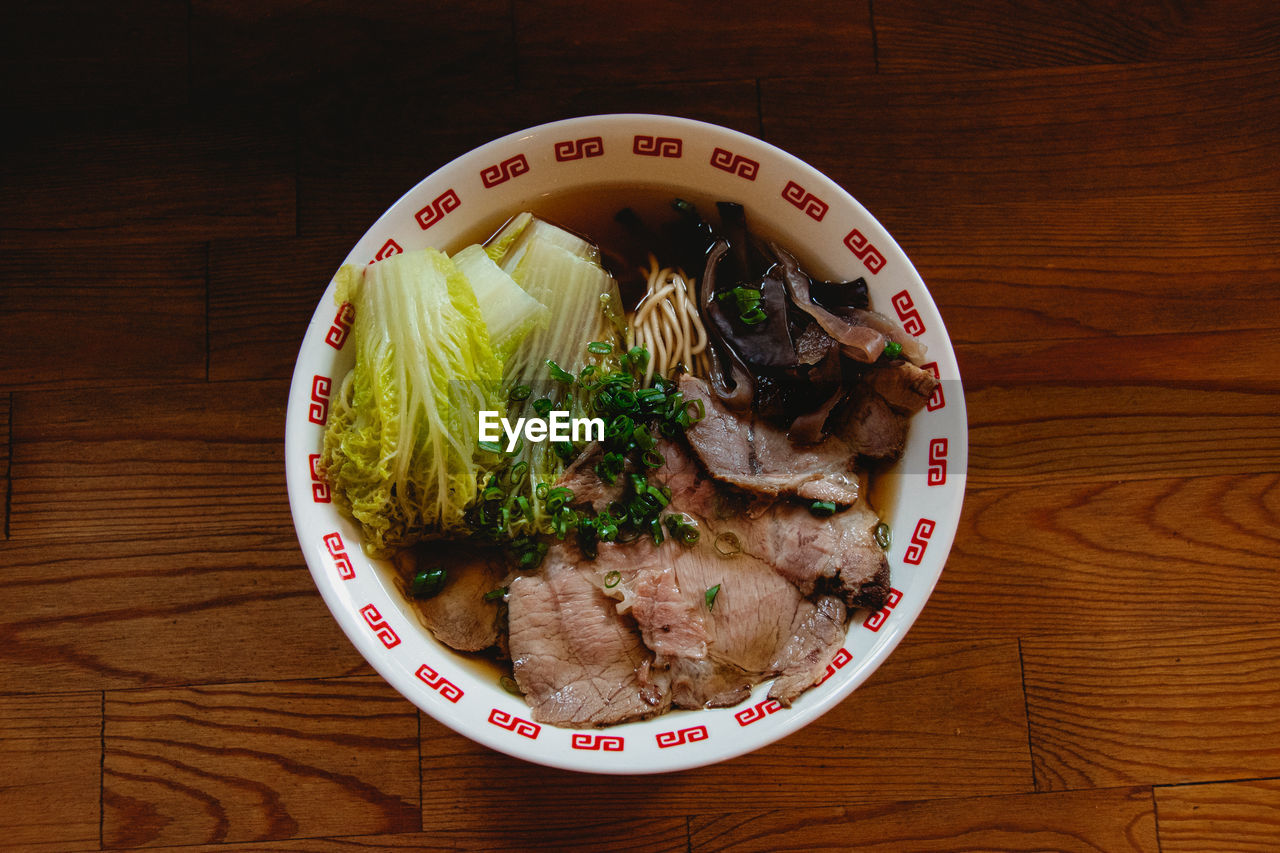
x=579, y=175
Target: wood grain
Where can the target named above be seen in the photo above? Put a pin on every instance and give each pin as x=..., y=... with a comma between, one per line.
x=261, y=296
x=1096, y=267
x=1132, y=359
x=84, y=614
x=1181, y=704
x=77, y=55
x=912, y=36
x=152, y=461
x=160, y=175
x=937, y=717
x=254, y=762
x=50, y=750
x=558, y=45
x=659, y=835
x=135, y=314
x=1050, y=135
x=293, y=47
x=347, y=179
x=5, y=409
x=1052, y=436
x=1114, y=819
x=1231, y=817
x=1091, y=558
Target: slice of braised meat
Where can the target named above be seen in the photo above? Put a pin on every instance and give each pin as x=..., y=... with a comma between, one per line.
x=816, y=635
x=871, y=426
x=575, y=658
x=588, y=488
x=756, y=456
x=458, y=616
x=835, y=555
x=905, y=387
x=758, y=623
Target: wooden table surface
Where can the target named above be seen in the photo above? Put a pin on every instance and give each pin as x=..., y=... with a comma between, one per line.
x=1090, y=189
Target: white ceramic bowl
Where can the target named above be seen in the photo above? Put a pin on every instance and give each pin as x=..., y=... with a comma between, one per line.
x=785, y=199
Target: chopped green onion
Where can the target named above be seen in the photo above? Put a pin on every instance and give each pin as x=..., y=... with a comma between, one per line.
x=600, y=347
x=495, y=594
x=728, y=545
x=543, y=407
x=612, y=579
x=558, y=373
x=683, y=529
x=822, y=508
x=509, y=684
x=519, y=392
x=884, y=537
x=490, y=446
x=427, y=583
x=710, y=596
x=892, y=350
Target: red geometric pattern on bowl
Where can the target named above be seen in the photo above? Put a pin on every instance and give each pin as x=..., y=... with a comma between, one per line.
x=737, y=164
x=319, y=486
x=657, y=146
x=937, y=462
x=389, y=248
x=576, y=149
x=440, y=206
x=341, y=327
x=512, y=723
x=919, y=541
x=875, y=620
x=842, y=657
x=379, y=626
x=318, y=412
x=338, y=550
x=439, y=683
x=606, y=743
x=502, y=172
x=862, y=248
x=757, y=712
x=907, y=313
x=681, y=736
x=815, y=207
x=936, y=400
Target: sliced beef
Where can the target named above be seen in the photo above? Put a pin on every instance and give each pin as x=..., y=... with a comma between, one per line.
x=459, y=616
x=758, y=457
x=871, y=426
x=759, y=625
x=816, y=635
x=588, y=488
x=576, y=659
x=905, y=387
x=836, y=555
x=715, y=654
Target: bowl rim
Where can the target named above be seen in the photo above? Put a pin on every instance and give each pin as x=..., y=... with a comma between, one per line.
x=476, y=728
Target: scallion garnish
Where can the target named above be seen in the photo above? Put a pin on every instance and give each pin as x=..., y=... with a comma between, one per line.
x=600, y=347
x=728, y=545
x=892, y=350
x=884, y=537
x=427, y=583
x=612, y=579
x=495, y=594
x=710, y=596
x=822, y=508
x=750, y=304
x=558, y=373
